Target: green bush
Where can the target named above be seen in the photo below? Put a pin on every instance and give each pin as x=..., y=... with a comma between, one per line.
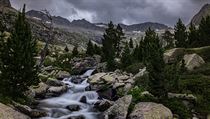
x=136, y=93
x=142, y=81
x=134, y=68
x=177, y=107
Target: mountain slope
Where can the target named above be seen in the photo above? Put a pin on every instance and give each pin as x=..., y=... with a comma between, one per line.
x=204, y=12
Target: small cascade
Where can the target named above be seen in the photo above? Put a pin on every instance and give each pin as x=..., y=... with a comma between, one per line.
x=58, y=107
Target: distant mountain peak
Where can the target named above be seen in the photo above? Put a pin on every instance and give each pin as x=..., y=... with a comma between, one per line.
x=204, y=12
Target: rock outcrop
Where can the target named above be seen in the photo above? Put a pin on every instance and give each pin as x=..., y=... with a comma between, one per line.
x=9, y=113
x=150, y=110
x=204, y=12
x=120, y=108
x=5, y=3
x=193, y=61
x=172, y=55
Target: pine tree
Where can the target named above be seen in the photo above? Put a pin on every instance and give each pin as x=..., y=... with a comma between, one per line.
x=18, y=67
x=75, y=51
x=153, y=59
x=180, y=34
x=66, y=49
x=193, y=36
x=90, y=49
x=131, y=43
x=119, y=36
x=108, y=46
x=168, y=38
x=126, y=58
x=204, y=30
x=97, y=49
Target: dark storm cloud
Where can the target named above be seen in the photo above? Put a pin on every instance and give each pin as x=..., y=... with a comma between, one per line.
x=119, y=11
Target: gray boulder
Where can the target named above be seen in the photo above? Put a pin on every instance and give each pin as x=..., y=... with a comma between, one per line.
x=120, y=108
x=7, y=112
x=193, y=61
x=150, y=110
x=171, y=56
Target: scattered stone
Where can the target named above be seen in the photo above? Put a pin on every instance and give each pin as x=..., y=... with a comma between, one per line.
x=83, y=99
x=120, y=108
x=182, y=96
x=62, y=75
x=141, y=73
x=54, y=82
x=108, y=79
x=57, y=90
x=193, y=61
x=103, y=105
x=41, y=91
x=77, y=117
x=73, y=108
x=150, y=110
x=96, y=78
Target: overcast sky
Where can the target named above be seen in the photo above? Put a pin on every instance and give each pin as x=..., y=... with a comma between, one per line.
x=119, y=11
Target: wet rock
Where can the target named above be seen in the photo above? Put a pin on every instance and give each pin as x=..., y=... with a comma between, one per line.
x=57, y=90
x=54, y=82
x=193, y=61
x=77, y=80
x=62, y=74
x=73, y=108
x=7, y=112
x=149, y=110
x=41, y=91
x=103, y=105
x=120, y=108
x=77, y=117
x=83, y=99
x=37, y=114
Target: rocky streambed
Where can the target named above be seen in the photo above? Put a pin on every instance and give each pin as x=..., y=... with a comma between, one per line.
x=77, y=103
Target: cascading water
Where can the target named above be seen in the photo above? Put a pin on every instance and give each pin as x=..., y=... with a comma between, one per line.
x=57, y=107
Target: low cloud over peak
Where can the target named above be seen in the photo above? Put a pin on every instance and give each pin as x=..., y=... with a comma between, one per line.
x=119, y=11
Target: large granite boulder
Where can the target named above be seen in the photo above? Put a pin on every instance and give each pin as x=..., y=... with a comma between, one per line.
x=150, y=110
x=120, y=108
x=9, y=113
x=41, y=90
x=192, y=61
x=172, y=55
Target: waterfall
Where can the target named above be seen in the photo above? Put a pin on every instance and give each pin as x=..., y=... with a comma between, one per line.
x=57, y=106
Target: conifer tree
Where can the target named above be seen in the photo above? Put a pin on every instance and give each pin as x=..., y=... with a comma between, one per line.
x=168, y=38
x=75, y=51
x=126, y=58
x=193, y=36
x=204, y=32
x=18, y=67
x=119, y=36
x=131, y=43
x=180, y=34
x=153, y=59
x=108, y=48
x=97, y=50
x=90, y=49
x=66, y=49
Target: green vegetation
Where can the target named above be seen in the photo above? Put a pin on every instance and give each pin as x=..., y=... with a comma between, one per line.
x=111, y=45
x=18, y=68
x=180, y=34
